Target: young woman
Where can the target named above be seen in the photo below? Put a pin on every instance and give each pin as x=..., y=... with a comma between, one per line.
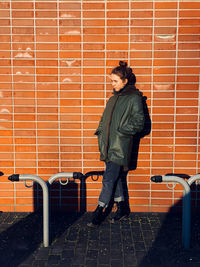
x=122, y=118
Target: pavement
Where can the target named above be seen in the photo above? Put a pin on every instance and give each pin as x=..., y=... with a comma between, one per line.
x=142, y=240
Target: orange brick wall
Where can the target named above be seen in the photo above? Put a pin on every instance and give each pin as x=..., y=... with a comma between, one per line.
x=55, y=57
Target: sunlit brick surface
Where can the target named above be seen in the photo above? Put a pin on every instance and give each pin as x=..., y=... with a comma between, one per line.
x=55, y=61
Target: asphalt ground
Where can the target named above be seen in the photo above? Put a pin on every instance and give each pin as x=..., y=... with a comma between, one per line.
x=144, y=239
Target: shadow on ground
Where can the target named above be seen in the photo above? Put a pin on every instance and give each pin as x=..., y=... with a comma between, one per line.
x=165, y=248
x=21, y=234
x=142, y=240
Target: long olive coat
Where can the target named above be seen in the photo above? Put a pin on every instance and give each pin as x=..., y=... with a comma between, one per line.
x=122, y=118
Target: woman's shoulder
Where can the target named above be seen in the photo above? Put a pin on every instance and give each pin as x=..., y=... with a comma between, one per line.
x=131, y=90
x=135, y=96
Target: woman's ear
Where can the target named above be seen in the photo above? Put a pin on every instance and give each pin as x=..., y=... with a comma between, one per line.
x=125, y=81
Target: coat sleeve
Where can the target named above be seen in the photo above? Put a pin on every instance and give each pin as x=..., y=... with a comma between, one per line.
x=98, y=130
x=135, y=121
x=101, y=122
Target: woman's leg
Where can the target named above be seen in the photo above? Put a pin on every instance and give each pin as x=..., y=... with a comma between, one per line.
x=119, y=194
x=121, y=198
x=121, y=191
x=110, y=177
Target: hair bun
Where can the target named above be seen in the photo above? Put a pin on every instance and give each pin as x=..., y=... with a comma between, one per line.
x=124, y=72
x=122, y=64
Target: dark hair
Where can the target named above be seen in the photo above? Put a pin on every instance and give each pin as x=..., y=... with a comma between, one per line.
x=124, y=72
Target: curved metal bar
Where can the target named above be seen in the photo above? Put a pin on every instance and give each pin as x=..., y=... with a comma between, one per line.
x=181, y=175
x=94, y=173
x=186, y=213
x=178, y=180
x=193, y=178
x=60, y=175
x=45, y=204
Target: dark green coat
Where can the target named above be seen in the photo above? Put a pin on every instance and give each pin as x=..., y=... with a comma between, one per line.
x=122, y=118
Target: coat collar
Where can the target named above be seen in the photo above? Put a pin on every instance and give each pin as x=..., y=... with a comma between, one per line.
x=128, y=90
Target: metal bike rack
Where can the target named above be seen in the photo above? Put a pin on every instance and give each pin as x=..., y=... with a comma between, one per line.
x=193, y=179
x=34, y=178
x=59, y=175
x=45, y=189
x=186, y=210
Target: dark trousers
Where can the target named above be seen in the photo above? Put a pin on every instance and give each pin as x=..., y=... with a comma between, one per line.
x=112, y=184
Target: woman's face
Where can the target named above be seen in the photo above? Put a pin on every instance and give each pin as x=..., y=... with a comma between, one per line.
x=117, y=82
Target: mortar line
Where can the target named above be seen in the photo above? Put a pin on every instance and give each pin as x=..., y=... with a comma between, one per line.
x=13, y=102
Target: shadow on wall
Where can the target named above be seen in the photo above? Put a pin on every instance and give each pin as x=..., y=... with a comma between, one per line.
x=61, y=197
x=137, y=137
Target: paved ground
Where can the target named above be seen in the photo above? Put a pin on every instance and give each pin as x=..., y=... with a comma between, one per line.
x=144, y=239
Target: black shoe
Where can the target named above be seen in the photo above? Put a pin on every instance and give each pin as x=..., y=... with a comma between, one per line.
x=121, y=213
x=98, y=217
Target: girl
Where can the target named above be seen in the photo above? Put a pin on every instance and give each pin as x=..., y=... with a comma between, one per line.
x=122, y=118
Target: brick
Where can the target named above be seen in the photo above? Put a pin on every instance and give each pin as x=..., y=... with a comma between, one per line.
x=54, y=86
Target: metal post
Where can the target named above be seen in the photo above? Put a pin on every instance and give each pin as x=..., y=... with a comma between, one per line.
x=17, y=177
x=186, y=213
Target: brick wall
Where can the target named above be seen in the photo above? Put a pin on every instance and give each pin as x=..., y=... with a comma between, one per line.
x=55, y=57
